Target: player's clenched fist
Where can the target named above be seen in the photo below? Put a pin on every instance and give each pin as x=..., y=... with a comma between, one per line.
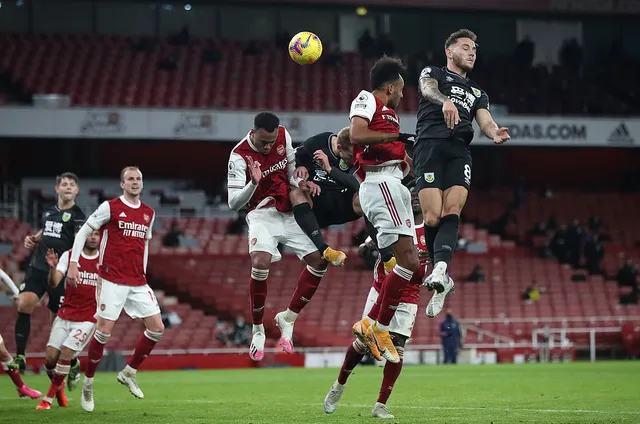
x=30, y=242
x=451, y=115
x=73, y=274
x=301, y=173
x=254, y=170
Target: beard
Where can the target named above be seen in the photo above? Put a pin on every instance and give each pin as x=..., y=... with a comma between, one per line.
x=461, y=63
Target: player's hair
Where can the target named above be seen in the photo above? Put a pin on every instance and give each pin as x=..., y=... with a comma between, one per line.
x=128, y=168
x=344, y=138
x=266, y=121
x=386, y=70
x=68, y=176
x=461, y=33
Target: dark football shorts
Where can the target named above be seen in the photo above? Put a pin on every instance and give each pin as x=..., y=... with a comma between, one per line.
x=36, y=281
x=442, y=163
x=334, y=207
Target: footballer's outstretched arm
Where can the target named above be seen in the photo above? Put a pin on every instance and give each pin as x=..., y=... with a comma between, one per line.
x=361, y=134
x=429, y=89
x=486, y=123
x=239, y=190
x=489, y=127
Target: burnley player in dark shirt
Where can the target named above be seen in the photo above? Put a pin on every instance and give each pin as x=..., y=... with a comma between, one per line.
x=59, y=224
x=327, y=160
x=448, y=103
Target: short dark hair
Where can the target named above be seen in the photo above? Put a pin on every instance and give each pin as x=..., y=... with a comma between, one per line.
x=266, y=121
x=461, y=33
x=385, y=70
x=67, y=176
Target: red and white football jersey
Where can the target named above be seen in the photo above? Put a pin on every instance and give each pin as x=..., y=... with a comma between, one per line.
x=411, y=292
x=79, y=304
x=381, y=119
x=124, y=245
x=273, y=189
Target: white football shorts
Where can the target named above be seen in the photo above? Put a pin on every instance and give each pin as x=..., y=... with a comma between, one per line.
x=269, y=227
x=137, y=301
x=71, y=334
x=387, y=204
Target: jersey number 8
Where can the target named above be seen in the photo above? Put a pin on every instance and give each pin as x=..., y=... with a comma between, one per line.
x=467, y=171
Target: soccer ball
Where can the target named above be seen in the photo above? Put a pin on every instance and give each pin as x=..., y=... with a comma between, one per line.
x=305, y=48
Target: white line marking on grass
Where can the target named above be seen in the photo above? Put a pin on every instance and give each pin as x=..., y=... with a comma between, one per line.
x=393, y=406
x=443, y=408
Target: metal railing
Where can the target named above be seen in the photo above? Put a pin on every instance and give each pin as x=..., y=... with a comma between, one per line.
x=551, y=339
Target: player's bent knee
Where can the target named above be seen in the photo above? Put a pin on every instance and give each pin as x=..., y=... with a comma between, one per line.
x=298, y=197
x=104, y=326
x=431, y=220
x=260, y=260
x=50, y=363
x=27, y=302
x=410, y=263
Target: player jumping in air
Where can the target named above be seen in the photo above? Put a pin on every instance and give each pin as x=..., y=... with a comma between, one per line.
x=261, y=169
x=326, y=159
x=59, y=224
x=6, y=360
x=74, y=326
x=382, y=162
x=448, y=102
x=126, y=224
x=400, y=328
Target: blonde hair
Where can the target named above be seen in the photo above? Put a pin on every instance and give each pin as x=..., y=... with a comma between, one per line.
x=128, y=168
x=344, y=138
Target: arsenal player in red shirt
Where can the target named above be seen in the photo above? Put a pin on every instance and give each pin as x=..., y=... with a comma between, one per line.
x=261, y=169
x=382, y=163
x=75, y=322
x=126, y=224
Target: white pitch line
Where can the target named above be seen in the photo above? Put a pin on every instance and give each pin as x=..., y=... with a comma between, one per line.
x=443, y=408
x=393, y=406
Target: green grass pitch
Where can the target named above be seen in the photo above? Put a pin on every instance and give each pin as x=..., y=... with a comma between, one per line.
x=604, y=392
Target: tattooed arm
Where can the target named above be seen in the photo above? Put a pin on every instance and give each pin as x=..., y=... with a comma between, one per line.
x=429, y=89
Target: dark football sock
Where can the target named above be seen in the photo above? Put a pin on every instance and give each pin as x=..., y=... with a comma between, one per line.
x=22, y=330
x=306, y=219
x=431, y=233
x=385, y=253
x=447, y=238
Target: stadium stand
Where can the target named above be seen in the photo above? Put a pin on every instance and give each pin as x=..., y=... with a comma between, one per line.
x=107, y=71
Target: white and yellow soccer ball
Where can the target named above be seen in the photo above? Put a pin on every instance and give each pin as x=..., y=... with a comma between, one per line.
x=305, y=48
